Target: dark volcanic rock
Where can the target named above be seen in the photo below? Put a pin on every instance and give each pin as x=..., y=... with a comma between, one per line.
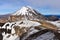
x=1, y=37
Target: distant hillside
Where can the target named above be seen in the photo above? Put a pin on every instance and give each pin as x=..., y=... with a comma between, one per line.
x=4, y=16
x=52, y=15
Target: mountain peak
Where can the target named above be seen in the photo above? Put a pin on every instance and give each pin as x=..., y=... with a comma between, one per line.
x=27, y=12
x=24, y=11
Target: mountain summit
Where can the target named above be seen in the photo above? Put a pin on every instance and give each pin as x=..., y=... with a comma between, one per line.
x=29, y=13
x=24, y=11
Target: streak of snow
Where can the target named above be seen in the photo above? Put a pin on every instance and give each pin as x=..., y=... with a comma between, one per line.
x=12, y=31
x=12, y=37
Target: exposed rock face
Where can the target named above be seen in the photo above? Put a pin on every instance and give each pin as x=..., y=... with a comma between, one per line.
x=13, y=18
x=3, y=20
x=19, y=31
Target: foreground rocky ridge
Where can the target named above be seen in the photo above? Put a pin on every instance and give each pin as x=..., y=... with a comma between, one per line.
x=21, y=32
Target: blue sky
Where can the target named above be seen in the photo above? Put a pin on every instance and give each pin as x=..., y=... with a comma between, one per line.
x=46, y=7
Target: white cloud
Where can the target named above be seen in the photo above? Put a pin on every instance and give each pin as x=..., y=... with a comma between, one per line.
x=42, y=3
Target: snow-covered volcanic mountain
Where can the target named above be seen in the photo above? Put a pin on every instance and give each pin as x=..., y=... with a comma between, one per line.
x=24, y=25
x=29, y=13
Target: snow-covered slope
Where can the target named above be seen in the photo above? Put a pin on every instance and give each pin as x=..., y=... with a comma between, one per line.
x=29, y=13
x=28, y=23
x=21, y=24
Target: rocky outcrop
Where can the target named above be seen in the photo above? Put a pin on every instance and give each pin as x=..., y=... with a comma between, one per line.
x=3, y=20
